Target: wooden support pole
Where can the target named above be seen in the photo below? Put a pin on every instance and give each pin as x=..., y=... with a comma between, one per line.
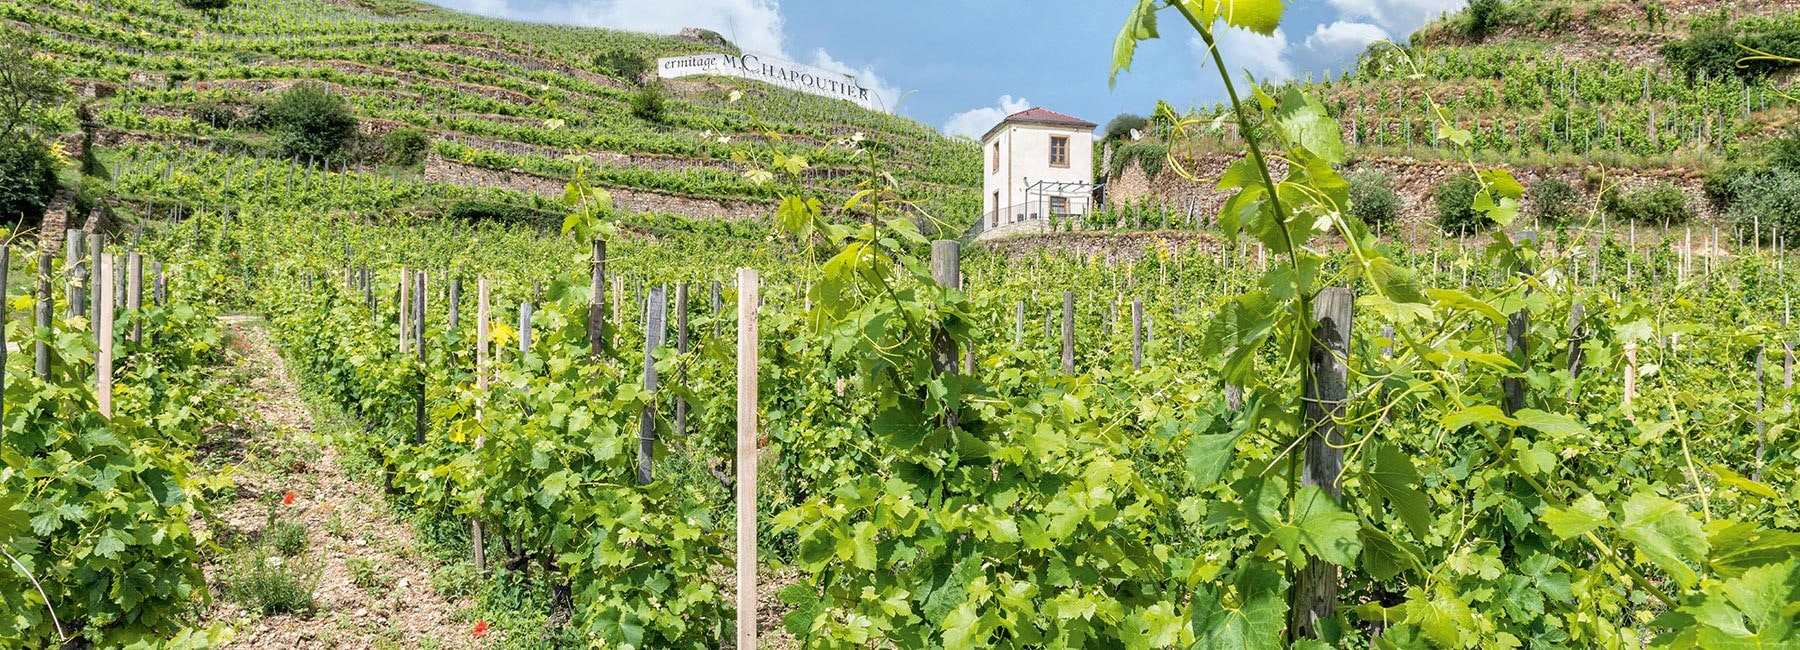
x=655, y=318
x=681, y=347
x=96, y=246
x=405, y=309
x=1577, y=333
x=946, y=270
x=597, y=299
x=1019, y=325
x=1316, y=586
x=103, y=371
x=1517, y=345
x=1068, y=333
x=746, y=456
x=76, y=274
x=1630, y=376
x=455, y=302
x=1137, y=334
x=418, y=335
x=43, y=333
x=1761, y=392
x=134, y=299
x=477, y=532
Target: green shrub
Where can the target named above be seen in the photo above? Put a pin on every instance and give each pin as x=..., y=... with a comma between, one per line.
x=1456, y=205
x=1120, y=127
x=476, y=210
x=261, y=580
x=648, y=104
x=27, y=180
x=310, y=122
x=1372, y=198
x=405, y=147
x=1657, y=204
x=1553, y=200
x=211, y=7
x=624, y=65
x=1764, y=200
x=1483, y=16
x=90, y=194
x=1713, y=48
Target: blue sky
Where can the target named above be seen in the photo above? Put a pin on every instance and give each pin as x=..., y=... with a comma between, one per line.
x=967, y=63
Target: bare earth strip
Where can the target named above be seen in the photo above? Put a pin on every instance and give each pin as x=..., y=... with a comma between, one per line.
x=344, y=519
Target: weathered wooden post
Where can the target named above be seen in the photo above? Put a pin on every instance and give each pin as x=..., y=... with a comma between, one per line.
x=96, y=246
x=134, y=300
x=1316, y=587
x=103, y=371
x=477, y=534
x=654, y=318
x=1577, y=333
x=946, y=270
x=1019, y=325
x=44, y=332
x=77, y=274
x=597, y=299
x=1068, y=333
x=681, y=347
x=1517, y=346
x=405, y=309
x=418, y=335
x=1137, y=334
x=746, y=456
x=5, y=318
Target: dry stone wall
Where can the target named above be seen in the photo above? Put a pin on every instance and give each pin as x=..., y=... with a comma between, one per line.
x=441, y=170
x=1412, y=179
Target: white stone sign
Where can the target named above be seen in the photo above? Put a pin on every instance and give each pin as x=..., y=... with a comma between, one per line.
x=756, y=67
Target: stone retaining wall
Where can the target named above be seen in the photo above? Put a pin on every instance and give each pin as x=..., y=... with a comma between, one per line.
x=441, y=170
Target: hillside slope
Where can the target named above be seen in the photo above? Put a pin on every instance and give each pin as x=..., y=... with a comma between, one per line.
x=508, y=107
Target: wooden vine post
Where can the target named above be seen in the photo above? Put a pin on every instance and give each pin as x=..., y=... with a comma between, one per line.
x=5, y=318
x=43, y=332
x=1068, y=333
x=746, y=456
x=1137, y=334
x=597, y=299
x=1316, y=587
x=1517, y=346
x=477, y=534
x=418, y=336
x=103, y=328
x=946, y=261
x=1577, y=333
x=96, y=246
x=681, y=347
x=655, y=304
x=134, y=295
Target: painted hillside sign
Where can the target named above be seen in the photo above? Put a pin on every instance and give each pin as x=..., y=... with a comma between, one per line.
x=756, y=67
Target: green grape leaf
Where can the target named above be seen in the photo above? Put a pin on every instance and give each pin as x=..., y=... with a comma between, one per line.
x=1305, y=122
x=1208, y=456
x=1253, y=621
x=1585, y=514
x=1477, y=414
x=1556, y=425
x=1664, y=533
x=1140, y=25
x=1738, y=546
x=1394, y=481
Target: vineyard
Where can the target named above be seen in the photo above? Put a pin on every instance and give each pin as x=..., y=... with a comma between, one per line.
x=829, y=426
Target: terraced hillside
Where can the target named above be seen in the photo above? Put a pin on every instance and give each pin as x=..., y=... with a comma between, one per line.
x=1632, y=96
x=489, y=113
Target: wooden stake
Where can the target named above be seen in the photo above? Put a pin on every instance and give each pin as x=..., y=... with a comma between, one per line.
x=1316, y=587
x=655, y=306
x=1068, y=333
x=597, y=301
x=746, y=457
x=134, y=299
x=103, y=379
x=681, y=347
x=44, y=302
x=1137, y=334
x=477, y=534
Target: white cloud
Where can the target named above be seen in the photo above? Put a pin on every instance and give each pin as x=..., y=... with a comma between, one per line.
x=1396, y=16
x=1265, y=57
x=975, y=122
x=886, y=96
x=1343, y=39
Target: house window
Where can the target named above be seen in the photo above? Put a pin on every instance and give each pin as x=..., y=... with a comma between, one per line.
x=1059, y=205
x=996, y=156
x=997, y=206
x=1059, y=151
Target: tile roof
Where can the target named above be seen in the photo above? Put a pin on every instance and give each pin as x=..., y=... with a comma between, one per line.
x=1046, y=116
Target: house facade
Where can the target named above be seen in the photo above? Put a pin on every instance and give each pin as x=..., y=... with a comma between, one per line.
x=1037, y=165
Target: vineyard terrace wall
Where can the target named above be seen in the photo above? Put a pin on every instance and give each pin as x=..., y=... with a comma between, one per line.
x=1413, y=180
x=441, y=170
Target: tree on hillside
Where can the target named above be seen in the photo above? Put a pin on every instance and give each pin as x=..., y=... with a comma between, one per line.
x=211, y=8
x=310, y=122
x=1121, y=127
x=623, y=65
x=30, y=88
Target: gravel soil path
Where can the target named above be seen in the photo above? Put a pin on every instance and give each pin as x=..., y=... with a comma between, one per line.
x=375, y=588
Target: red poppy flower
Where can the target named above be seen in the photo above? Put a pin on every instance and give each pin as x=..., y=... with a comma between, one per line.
x=288, y=499
x=480, y=629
